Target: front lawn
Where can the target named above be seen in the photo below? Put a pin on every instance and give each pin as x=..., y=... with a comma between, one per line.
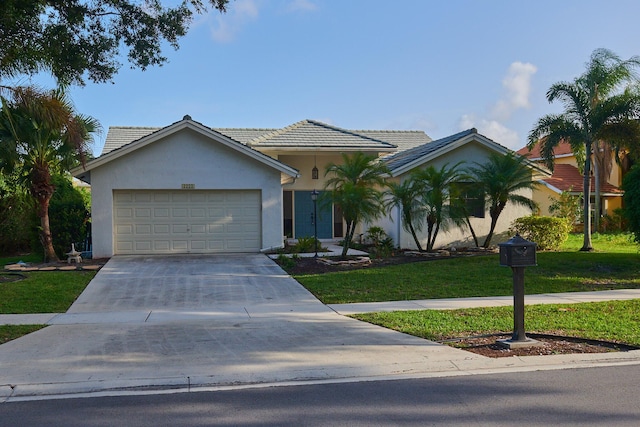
x=615, y=321
x=614, y=265
x=43, y=291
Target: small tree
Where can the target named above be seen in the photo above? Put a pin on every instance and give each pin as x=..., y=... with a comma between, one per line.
x=500, y=179
x=406, y=196
x=41, y=134
x=436, y=186
x=353, y=186
x=567, y=206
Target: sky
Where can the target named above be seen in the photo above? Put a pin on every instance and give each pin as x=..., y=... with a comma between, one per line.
x=437, y=66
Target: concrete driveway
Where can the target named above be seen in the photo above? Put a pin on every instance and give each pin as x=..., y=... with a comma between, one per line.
x=185, y=322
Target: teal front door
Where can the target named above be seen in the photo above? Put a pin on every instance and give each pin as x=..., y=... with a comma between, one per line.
x=305, y=218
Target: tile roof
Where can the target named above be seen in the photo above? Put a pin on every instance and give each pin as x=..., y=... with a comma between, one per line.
x=568, y=178
x=306, y=133
x=119, y=136
x=561, y=149
x=396, y=161
x=403, y=139
x=310, y=133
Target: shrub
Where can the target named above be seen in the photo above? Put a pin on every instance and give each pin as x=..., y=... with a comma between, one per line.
x=307, y=244
x=18, y=220
x=285, y=262
x=567, y=206
x=549, y=233
x=631, y=187
x=381, y=244
x=614, y=223
x=68, y=216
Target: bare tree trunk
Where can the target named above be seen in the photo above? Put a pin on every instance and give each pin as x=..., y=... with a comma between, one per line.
x=42, y=190
x=494, y=213
x=473, y=233
x=586, y=246
x=45, y=237
x=596, y=175
x=415, y=236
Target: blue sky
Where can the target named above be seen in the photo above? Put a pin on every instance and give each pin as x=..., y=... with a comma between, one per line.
x=437, y=66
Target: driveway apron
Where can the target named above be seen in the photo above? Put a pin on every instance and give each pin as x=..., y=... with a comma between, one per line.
x=205, y=321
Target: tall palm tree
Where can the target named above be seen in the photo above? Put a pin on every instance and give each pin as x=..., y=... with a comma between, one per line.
x=354, y=187
x=436, y=186
x=595, y=110
x=501, y=179
x=406, y=196
x=40, y=134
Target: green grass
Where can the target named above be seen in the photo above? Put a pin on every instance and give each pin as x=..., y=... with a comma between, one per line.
x=14, y=259
x=614, y=265
x=616, y=321
x=43, y=292
x=11, y=332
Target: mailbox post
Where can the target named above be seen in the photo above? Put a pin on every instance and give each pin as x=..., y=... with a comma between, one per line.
x=518, y=253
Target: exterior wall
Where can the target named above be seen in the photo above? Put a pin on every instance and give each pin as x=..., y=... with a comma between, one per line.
x=541, y=196
x=185, y=157
x=455, y=236
x=304, y=163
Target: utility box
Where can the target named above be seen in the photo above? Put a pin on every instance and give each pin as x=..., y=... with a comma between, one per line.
x=518, y=252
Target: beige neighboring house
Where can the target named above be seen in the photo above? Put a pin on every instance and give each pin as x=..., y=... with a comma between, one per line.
x=567, y=177
x=189, y=188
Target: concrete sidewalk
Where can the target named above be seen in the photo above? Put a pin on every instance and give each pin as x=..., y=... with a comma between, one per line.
x=344, y=309
x=455, y=303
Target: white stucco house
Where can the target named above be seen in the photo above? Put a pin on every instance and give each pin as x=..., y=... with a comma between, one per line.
x=188, y=188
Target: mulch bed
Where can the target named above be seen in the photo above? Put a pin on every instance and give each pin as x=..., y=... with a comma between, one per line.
x=305, y=265
x=486, y=345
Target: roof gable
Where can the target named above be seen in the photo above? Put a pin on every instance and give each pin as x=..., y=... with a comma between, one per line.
x=150, y=135
x=405, y=161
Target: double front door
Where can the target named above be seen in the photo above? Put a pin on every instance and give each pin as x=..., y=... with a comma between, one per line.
x=301, y=219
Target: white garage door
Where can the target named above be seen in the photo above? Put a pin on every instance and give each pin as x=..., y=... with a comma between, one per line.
x=186, y=221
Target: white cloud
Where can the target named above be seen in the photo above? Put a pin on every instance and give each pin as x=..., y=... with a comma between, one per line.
x=517, y=85
x=517, y=89
x=491, y=129
x=227, y=25
x=301, y=6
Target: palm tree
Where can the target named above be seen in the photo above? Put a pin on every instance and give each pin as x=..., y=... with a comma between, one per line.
x=501, y=179
x=593, y=113
x=436, y=186
x=353, y=186
x=41, y=134
x=407, y=196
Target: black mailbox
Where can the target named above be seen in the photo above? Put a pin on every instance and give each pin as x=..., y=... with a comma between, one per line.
x=517, y=252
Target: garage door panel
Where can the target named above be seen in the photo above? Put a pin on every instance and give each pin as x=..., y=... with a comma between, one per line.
x=143, y=245
x=143, y=229
x=186, y=221
x=161, y=246
x=198, y=229
x=161, y=213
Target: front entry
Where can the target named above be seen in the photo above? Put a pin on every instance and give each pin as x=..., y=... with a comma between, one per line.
x=305, y=218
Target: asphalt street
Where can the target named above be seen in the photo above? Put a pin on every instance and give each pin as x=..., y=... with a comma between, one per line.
x=578, y=397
